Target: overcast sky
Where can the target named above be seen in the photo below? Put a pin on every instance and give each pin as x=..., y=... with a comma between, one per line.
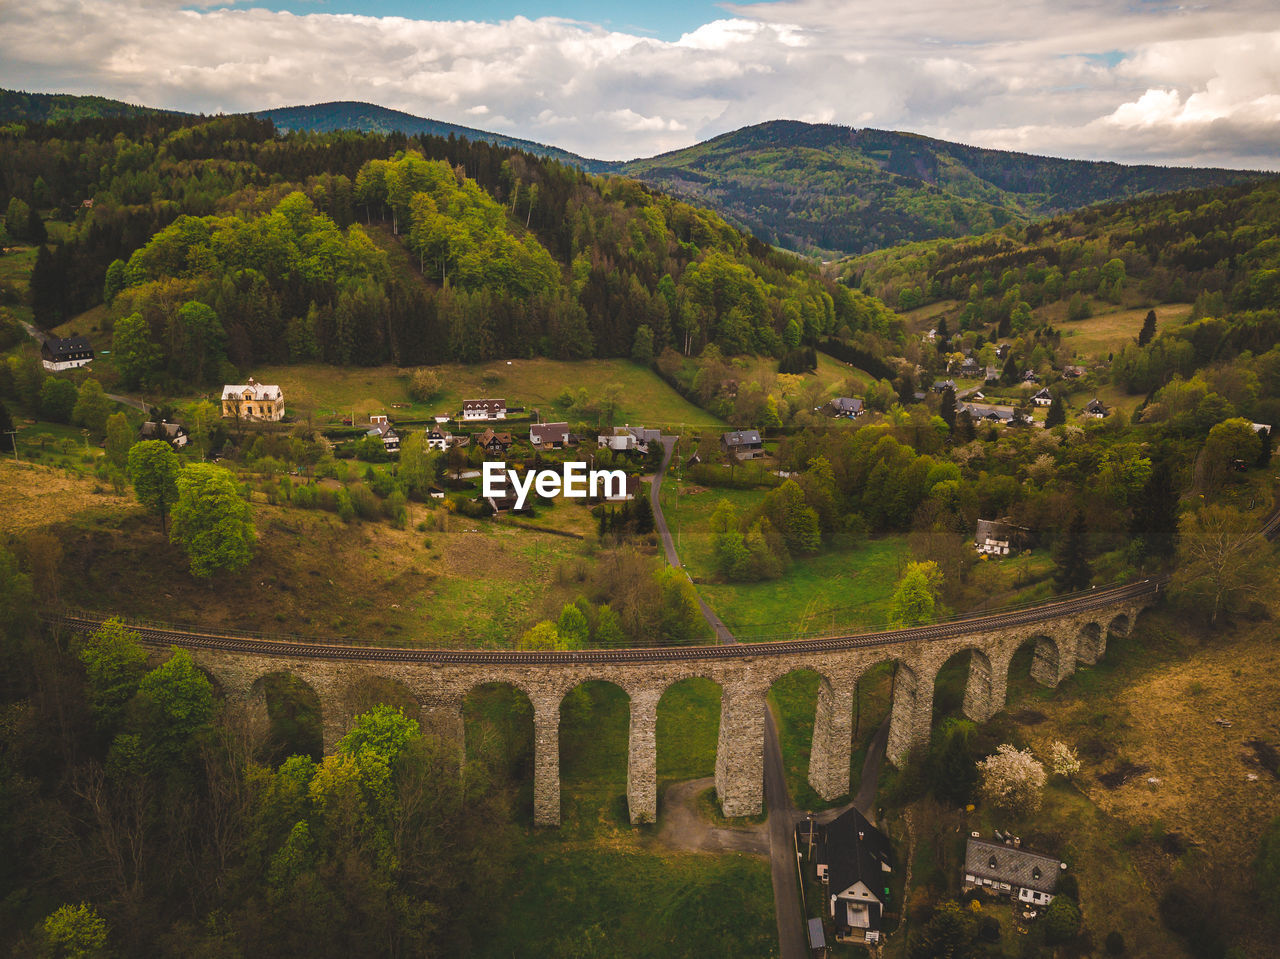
x=1102, y=79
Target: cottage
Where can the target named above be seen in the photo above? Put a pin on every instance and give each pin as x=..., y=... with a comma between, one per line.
x=854, y=860
x=494, y=443
x=1073, y=372
x=438, y=439
x=549, y=436
x=484, y=410
x=988, y=413
x=941, y=386
x=175, y=434
x=644, y=437
x=1261, y=428
x=1006, y=869
x=996, y=537
x=381, y=427
x=743, y=444
x=850, y=406
x=57, y=355
x=630, y=490
x=969, y=367
x=1030, y=376
x=620, y=441
x=1096, y=409
x=253, y=401
x=1043, y=398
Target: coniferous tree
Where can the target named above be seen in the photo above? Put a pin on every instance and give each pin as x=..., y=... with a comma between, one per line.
x=947, y=409
x=1071, y=564
x=1155, y=515
x=1009, y=375
x=1057, y=414
x=7, y=437
x=1264, y=453
x=1148, y=331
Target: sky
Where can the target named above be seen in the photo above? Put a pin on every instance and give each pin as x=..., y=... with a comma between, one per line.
x=1137, y=81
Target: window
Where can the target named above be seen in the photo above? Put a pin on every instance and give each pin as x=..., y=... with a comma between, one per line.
x=1035, y=872
x=992, y=862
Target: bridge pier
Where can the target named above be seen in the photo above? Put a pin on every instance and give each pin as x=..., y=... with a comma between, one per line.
x=740, y=751
x=912, y=711
x=546, y=760
x=832, y=739
x=1053, y=662
x=980, y=703
x=642, y=756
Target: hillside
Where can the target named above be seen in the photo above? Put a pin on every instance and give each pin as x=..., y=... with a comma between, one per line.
x=371, y=118
x=821, y=188
x=22, y=107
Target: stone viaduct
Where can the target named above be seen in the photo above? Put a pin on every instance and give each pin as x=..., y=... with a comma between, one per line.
x=1064, y=635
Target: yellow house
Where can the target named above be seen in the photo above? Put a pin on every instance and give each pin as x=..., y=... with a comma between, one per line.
x=253, y=401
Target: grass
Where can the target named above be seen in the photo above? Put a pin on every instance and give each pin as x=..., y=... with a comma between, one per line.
x=688, y=730
x=1107, y=332
x=327, y=393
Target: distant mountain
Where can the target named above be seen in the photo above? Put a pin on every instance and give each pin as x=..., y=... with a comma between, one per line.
x=820, y=188
x=371, y=118
x=19, y=106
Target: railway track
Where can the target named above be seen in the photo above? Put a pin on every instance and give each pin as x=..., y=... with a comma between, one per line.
x=194, y=639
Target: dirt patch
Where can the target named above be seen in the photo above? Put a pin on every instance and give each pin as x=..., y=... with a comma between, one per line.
x=1265, y=755
x=1122, y=774
x=1028, y=717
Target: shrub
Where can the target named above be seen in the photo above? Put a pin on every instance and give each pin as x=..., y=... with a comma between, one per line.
x=364, y=503
x=1061, y=920
x=1114, y=943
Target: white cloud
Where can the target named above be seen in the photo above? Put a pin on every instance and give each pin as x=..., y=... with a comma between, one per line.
x=1133, y=81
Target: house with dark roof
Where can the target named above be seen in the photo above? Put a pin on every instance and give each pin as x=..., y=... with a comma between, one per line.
x=989, y=413
x=492, y=442
x=854, y=860
x=850, y=406
x=1073, y=372
x=1096, y=409
x=57, y=355
x=549, y=436
x=743, y=444
x=1043, y=398
x=438, y=439
x=644, y=437
x=1006, y=869
x=484, y=409
x=940, y=386
x=175, y=434
x=381, y=427
x=997, y=537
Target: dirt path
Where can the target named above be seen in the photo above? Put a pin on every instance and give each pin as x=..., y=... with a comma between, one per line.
x=682, y=828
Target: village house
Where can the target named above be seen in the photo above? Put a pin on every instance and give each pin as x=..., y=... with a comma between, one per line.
x=940, y=386
x=57, y=355
x=968, y=367
x=382, y=428
x=850, y=406
x=549, y=436
x=644, y=437
x=1096, y=409
x=997, y=537
x=628, y=492
x=484, y=410
x=1073, y=372
x=494, y=443
x=988, y=413
x=175, y=434
x=743, y=444
x=620, y=441
x=1261, y=428
x=1043, y=398
x=1006, y=869
x=438, y=439
x=853, y=860
x=253, y=401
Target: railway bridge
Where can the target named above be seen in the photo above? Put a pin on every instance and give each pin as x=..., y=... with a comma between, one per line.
x=1064, y=634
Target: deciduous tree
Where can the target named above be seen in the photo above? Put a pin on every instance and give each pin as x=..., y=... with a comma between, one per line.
x=1012, y=780
x=154, y=468
x=211, y=522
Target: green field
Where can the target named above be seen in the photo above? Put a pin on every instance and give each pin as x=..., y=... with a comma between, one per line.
x=1107, y=332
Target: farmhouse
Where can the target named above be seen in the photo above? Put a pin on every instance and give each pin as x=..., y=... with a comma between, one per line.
x=620, y=440
x=175, y=434
x=58, y=355
x=1006, y=869
x=1043, y=398
x=484, y=409
x=549, y=436
x=744, y=444
x=941, y=386
x=987, y=413
x=253, y=401
x=853, y=860
x=850, y=406
x=495, y=443
x=438, y=439
x=383, y=429
x=997, y=537
x=1095, y=409
x=644, y=437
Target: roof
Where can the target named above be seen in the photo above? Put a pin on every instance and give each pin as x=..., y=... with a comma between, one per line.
x=1017, y=867
x=1095, y=405
x=997, y=529
x=486, y=405
x=259, y=391
x=162, y=430
x=489, y=436
x=816, y=938
x=383, y=429
x=1045, y=393
x=847, y=404
x=62, y=349
x=548, y=432
x=856, y=851
x=742, y=438
x=644, y=435
x=982, y=411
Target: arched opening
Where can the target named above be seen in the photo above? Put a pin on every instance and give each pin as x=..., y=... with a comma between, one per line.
x=295, y=719
x=688, y=727
x=962, y=687
x=595, y=726
x=498, y=735
x=1035, y=664
x=1090, y=644
x=903, y=690
x=369, y=691
x=793, y=700
x=1119, y=626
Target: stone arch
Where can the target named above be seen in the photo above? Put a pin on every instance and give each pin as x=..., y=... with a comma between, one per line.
x=291, y=711
x=687, y=724
x=1119, y=625
x=1091, y=643
x=369, y=689
x=964, y=681
x=1046, y=659
x=907, y=698
x=595, y=720
x=814, y=718
x=497, y=724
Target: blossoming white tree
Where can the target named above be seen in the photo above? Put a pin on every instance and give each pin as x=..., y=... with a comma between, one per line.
x=1063, y=760
x=1012, y=780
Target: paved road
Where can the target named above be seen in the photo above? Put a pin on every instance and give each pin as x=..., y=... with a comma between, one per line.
x=792, y=938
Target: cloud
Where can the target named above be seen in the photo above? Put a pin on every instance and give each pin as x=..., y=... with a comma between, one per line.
x=1148, y=80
